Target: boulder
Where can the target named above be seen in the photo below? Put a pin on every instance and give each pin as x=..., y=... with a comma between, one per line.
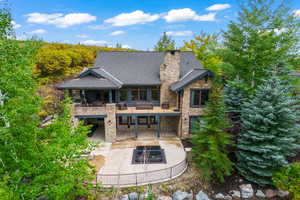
x=235, y=194
x=270, y=193
x=246, y=191
x=133, y=196
x=164, y=198
x=283, y=193
x=124, y=197
x=180, y=195
x=260, y=194
x=202, y=196
x=219, y=196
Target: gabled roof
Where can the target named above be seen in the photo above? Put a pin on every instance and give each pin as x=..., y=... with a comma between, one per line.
x=88, y=82
x=141, y=68
x=191, y=76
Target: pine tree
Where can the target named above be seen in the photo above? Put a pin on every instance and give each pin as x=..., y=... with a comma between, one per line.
x=211, y=141
x=265, y=33
x=234, y=96
x=165, y=43
x=269, y=130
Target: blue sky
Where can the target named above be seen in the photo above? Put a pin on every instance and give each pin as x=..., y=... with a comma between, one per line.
x=133, y=23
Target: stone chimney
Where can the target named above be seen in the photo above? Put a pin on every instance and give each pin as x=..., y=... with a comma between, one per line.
x=169, y=73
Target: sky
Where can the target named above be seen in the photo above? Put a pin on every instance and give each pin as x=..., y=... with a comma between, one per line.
x=136, y=24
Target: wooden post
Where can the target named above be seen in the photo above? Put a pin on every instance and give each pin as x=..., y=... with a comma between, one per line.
x=157, y=118
x=135, y=126
x=110, y=96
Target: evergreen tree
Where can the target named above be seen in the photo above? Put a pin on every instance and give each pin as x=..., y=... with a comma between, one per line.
x=211, y=141
x=165, y=43
x=264, y=35
x=235, y=93
x=269, y=130
x=34, y=162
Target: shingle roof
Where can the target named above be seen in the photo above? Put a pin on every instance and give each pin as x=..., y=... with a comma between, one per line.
x=191, y=76
x=117, y=69
x=141, y=68
x=88, y=82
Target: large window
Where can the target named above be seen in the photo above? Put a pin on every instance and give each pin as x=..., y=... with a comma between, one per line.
x=139, y=94
x=126, y=120
x=199, y=97
x=155, y=94
x=123, y=95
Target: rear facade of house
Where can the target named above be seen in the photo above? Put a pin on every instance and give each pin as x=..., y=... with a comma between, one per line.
x=140, y=94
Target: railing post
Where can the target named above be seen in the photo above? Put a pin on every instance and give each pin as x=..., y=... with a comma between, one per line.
x=136, y=179
x=171, y=169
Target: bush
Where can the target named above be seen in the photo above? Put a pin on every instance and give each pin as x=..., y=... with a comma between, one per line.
x=289, y=179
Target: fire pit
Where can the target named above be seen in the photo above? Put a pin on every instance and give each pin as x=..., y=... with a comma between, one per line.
x=148, y=155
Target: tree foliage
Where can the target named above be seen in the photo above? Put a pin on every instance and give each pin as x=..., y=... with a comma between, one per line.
x=35, y=162
x=204, y=46
x=269, y=130
x=263, y=36
x=165, y=43
x=288, y=179
x=211, y=141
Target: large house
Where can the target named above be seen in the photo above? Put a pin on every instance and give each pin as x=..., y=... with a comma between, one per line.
x=140, y=94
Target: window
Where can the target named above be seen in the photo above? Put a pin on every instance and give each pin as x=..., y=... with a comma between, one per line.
x=139, y=94
x=153, y=120
x=199, y=97
x=126, y=120
x=123, y=95
x=195, y=121
x=155, y=94
x=143, y=120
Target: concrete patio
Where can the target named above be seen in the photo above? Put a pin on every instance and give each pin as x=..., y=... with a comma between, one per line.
x=116, y=159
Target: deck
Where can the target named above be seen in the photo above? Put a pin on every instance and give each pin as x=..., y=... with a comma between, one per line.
x=155, y=110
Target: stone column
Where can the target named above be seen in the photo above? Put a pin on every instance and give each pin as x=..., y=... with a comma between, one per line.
x=110, y=123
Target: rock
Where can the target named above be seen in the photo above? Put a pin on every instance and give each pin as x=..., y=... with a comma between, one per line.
x=202, y=196
x=260, y=194
x=235, y=194
x=270, y=193
x=246, y=191
x=124, y=197
x=179, y=195
x=228, y=197
x=219, y=196
x=283, y=193
x=164, y=198
x=133, y=196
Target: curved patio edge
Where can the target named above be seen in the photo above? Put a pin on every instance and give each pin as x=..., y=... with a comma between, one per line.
x=142, y=178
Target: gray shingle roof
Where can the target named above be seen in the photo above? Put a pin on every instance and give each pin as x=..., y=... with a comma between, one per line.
x=88, y=82
x=141, y=68
x=190, y=76
x=117, y=69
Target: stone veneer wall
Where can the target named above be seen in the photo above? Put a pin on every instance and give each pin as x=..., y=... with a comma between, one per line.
x=186, y=110
x=110, y=123
x=169, y=73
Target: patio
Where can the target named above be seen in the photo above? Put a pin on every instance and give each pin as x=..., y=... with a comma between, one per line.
x=114, y=166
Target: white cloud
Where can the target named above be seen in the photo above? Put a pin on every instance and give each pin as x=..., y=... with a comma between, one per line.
x=117, y=33
x=15, y=25
x=126, y=46
x=81, y=36
x=94, y=42
x=38, y=31
x=179, y=33
x=135, y=17
x=297, y=13
x=217, y=7
x=185, y=14
x=98, y=27
x=60, y=20
x=21, y=37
